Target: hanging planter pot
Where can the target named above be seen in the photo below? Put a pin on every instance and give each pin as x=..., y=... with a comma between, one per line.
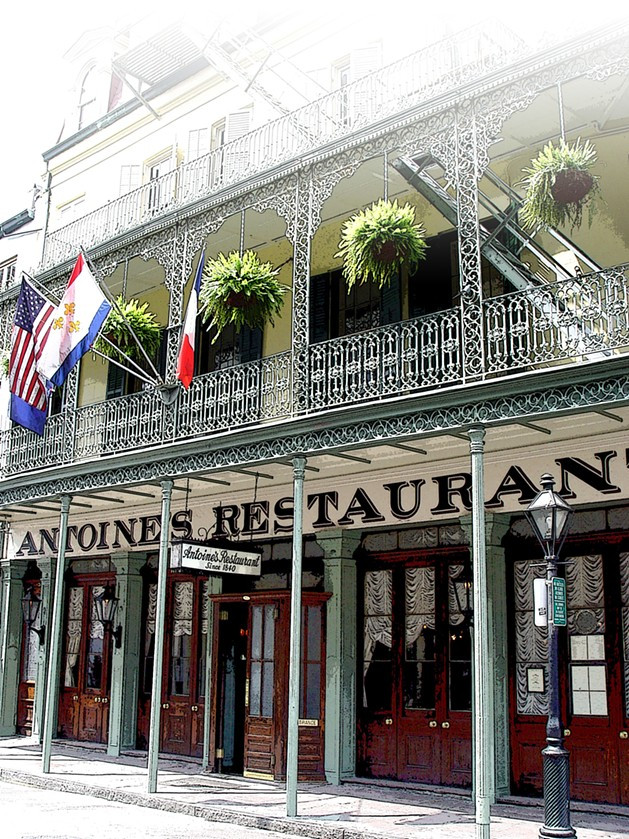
x=378, y=241
x=559, y=185
x=241, y=291
x=143, y=323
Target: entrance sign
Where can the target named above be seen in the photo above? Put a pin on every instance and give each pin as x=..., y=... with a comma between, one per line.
x=215, y=559
x=559, y=601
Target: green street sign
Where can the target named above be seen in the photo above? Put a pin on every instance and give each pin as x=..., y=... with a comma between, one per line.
x=559, y=602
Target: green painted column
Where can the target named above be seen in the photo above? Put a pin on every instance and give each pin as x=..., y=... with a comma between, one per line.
x=496, y=526
x=53, y=633
x=11, y=624
x=340, y=576
x=160, y=621
x=214, y=586
x=47, y=566
x=125, y=668
x=294, y=656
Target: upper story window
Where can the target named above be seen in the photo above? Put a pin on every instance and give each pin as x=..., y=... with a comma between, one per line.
x=129, y=178
x=87, y=99
x=72, y=210
x=198, y=143
x=8, y=273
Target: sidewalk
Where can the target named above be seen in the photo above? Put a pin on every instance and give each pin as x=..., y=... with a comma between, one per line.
x=350, y=811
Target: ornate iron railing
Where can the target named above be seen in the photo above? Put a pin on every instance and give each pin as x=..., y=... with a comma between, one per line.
x=438, y=68
x=391, y=360
x=584, y=317
x=259, y=391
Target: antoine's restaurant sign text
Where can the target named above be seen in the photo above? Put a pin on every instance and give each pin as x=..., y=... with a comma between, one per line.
x=366, y=502
x=215, y=559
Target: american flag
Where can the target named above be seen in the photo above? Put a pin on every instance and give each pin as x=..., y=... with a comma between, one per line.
x=29, y=398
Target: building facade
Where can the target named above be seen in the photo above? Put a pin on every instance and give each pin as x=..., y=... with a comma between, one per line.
x=502, y=357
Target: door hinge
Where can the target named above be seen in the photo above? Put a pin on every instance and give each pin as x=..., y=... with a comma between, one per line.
x=276, y=612
x=220, y=753
x=223, y=615
x=272, y=764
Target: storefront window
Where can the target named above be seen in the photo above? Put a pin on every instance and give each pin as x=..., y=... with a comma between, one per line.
x=378, y=624
x=262, y=661
x=73, y=637
x=419, y=657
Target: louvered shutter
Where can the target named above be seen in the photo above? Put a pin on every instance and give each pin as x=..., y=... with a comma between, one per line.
x=249, y=345
x=391, y=302
x=237, y=124
x=319, y=308
x=361, y=63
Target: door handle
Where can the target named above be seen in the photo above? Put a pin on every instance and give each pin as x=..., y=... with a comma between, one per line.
x=624, y=735
x=432, y=724
x=194, y=707
x=445, y=724
x=388, y=721
x=566, y=732
x=104, y=700
x=166, y=705
x=97, y=699
x=76, y=697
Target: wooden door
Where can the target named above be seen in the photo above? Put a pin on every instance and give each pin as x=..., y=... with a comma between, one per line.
x=267, y=668
x=250, y=704
x=594, y=678
x=85, y=677
x=28, y=668
x=414, y=720
x=183, y=700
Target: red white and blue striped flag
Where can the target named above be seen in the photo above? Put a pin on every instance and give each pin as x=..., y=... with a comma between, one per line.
x=185, y=360
x=29, y=395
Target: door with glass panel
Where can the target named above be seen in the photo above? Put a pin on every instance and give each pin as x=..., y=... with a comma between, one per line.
x=250, y=702
x=183, y=693
x=594, y=677
x=85, y=670
x=415, y=700
x=28, y=664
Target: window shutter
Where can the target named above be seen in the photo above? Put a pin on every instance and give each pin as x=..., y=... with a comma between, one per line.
x=391, y=301
x=237, y=125
x=319, y=308
x=249, y=345
x=362, y=62
x=198, y=143
x=365, y=60
x=115, y=382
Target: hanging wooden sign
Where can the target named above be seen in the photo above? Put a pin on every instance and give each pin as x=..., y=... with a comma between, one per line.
x=215, y=559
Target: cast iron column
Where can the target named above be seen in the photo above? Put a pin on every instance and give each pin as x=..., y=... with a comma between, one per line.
x=52, y=681
x=294, y=669
x=158, y=656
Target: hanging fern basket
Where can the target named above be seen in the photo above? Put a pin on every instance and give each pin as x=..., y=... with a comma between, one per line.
x=559, y=185
x=143, y=323
x=240, y=291
x=378, y=241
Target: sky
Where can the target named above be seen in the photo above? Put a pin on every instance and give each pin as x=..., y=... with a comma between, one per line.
x=37, y=35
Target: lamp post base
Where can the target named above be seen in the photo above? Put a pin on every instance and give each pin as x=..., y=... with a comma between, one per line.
x=556, y=794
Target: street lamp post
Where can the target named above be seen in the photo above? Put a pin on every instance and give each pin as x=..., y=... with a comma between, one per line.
x=548, y=515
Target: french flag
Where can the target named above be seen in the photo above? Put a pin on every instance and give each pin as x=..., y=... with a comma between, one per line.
x=185, y=361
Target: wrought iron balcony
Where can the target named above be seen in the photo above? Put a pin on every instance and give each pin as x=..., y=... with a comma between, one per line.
x=434, y=70
x=564, y=323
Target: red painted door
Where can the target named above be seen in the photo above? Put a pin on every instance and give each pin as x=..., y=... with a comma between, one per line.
x=594, y=675
x=415, y=721
x=85, y=677
x=184, y=666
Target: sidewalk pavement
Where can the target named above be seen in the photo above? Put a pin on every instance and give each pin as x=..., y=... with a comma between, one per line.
x=353, y=810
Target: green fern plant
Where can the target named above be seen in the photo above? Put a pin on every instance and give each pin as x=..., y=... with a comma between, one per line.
x=559, y=185
x=241, y=291
x=378, y=240
x=143, y=323
x=4, y=365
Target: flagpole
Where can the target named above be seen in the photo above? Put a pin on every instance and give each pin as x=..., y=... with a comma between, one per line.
x=113, y=302
x=118, y=364
x=52, y=298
